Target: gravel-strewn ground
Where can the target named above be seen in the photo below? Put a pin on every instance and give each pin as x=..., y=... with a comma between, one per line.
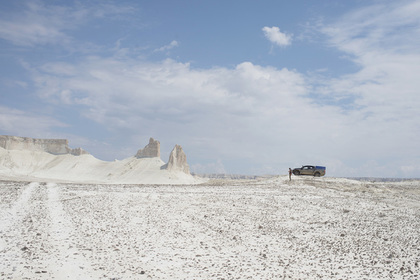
x=310, y=228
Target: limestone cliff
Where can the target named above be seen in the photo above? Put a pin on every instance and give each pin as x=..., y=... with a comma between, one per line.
x=151, y=150
x=177, y=160
x=23, y=158
x=52, y=146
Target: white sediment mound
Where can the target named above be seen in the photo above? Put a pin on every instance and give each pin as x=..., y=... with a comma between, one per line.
x=52, y=160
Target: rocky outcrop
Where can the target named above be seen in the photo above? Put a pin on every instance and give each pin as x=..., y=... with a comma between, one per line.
x=78, y=152
x=150, y=151
x=177, y=161
x=52, y=146
x=24, y=158
x=177, y=158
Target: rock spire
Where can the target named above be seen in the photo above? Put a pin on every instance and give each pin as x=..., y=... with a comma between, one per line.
x=151, y=150
x=178, y=160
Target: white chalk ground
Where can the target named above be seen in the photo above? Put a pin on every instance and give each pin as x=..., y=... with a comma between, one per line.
x=310, y=228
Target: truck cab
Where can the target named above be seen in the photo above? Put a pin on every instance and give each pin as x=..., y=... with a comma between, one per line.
x=310, y=170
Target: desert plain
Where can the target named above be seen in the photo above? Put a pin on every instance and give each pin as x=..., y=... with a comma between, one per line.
x=264, y=228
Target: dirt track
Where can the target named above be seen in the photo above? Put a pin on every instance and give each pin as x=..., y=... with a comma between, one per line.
x=321, y=228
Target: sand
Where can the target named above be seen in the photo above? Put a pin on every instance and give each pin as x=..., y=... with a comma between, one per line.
x=310, y=228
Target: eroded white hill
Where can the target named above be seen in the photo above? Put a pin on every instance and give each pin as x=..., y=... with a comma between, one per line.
x=33, y=163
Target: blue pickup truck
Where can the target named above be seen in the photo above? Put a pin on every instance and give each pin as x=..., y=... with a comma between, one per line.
x=311, y=170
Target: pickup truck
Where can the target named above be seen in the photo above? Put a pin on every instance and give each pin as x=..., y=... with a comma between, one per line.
x=310, y=170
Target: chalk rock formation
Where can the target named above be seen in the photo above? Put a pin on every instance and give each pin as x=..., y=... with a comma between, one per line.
x=150, y=151
x=52, y=146
x=78, y=152
x=178, y=160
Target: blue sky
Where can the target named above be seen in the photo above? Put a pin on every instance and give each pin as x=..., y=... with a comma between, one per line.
x=248, y=87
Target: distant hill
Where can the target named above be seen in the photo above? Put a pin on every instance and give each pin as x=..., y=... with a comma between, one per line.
x=375, y=179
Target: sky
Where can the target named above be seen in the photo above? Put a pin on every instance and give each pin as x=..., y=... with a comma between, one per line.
x=245, y=87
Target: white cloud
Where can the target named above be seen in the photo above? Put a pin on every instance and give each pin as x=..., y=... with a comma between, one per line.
x=15, y=122
x=38, y=25
x=230, y=110
x=46, y=24
x=275, y=36
x=168, y=47
x=383, y=96
x=25, y=34
x=168, y=88
x=392, y=27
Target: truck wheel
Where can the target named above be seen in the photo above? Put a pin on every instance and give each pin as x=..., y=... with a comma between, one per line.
x=296, y=172
x=317, y=174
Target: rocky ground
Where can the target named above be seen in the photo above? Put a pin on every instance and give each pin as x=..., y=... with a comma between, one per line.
x=310, y=228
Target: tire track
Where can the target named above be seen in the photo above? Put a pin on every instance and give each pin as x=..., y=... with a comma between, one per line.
x=11, y=248
x=66, y=260
x=16, y=213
